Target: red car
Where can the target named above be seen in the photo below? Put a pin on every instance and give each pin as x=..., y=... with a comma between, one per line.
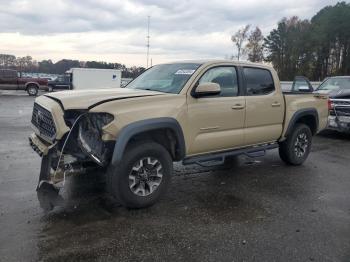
x=10, y=80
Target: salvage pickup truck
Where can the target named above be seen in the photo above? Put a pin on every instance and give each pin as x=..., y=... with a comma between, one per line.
x=197, y=112
x=11, y=80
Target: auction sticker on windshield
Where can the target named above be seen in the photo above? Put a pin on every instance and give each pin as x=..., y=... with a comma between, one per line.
x=184, y=72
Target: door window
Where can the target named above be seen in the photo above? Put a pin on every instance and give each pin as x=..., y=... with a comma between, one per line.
x=258, y=81
x=225, y=76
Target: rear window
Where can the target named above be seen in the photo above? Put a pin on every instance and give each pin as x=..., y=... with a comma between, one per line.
x=258, y=81
x=8, y=73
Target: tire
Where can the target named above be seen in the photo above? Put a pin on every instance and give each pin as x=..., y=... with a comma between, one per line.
x=32, y=90
x=143, y=164
x=296, y=148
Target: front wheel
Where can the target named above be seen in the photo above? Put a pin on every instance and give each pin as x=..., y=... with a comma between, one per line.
x=296, y=148
x=143, y=175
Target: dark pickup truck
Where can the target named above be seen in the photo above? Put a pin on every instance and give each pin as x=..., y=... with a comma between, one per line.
x=62, y=82
x=11, y=80
x=338, y=90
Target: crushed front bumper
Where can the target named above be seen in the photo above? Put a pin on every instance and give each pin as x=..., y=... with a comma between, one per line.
x=38, y=145
x=340, y=123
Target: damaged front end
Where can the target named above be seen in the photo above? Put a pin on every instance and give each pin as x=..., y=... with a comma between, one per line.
x=80, y=150
x=339, y=114
x=90, y=137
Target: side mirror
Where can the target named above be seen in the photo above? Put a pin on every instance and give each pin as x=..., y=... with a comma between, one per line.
x=304, y=89
x=207, y=89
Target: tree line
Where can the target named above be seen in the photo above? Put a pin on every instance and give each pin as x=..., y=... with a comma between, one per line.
x=27, y=64
x=315, y=48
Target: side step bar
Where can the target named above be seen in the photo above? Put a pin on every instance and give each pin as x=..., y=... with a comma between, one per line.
x=219, y=158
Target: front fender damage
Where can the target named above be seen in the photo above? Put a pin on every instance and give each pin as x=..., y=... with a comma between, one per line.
x=81, y=150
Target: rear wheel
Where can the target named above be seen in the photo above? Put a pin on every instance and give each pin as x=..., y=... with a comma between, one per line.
x=296, y=148
x=143, y=175
x=32, y=90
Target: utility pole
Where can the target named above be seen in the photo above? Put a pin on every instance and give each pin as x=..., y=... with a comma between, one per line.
x=148, y=37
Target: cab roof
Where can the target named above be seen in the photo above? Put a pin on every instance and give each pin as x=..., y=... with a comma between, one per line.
x=219, y=61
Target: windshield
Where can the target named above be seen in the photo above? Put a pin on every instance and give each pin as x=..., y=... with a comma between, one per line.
x=167, y=78
x=335, y=83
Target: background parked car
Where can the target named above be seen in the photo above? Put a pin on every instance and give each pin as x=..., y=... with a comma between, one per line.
x=338, y=89
x=11, y=80
x=61, y=82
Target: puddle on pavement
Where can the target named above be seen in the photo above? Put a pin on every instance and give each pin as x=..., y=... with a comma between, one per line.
x=199, y=199
x=186, y=199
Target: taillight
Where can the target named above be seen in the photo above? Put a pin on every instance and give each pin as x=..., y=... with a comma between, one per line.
x=330, y=104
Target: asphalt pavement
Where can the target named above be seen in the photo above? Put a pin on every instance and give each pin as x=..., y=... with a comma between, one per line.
x=257, y=210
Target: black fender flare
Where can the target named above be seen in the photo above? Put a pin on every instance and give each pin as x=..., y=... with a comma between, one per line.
x=141, y=126
x=299, y=114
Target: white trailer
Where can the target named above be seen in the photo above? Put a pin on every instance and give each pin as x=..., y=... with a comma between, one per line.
x=93, y=78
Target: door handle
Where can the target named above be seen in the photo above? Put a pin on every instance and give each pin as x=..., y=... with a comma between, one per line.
x=276, y=104
x=237, y=107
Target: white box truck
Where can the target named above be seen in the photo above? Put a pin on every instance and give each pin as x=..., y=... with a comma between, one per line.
x=93, y=78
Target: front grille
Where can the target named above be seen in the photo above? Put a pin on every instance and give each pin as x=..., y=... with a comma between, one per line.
x=342, y=111
x=341, y=107
x=342, y=102
x=43, y=121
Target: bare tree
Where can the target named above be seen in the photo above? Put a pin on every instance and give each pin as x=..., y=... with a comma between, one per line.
x=7, y=61
x=239, y=38
x=254, y=46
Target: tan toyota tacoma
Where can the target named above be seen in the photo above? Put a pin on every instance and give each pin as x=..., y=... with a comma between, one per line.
x=201, y=112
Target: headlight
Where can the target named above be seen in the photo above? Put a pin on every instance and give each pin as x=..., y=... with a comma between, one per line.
x=90, y=136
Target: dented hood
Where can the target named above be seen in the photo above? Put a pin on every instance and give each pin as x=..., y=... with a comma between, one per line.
x=86, y=99
x=337, y=93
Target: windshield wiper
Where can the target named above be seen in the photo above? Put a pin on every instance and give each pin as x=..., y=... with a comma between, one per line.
x=155, y=90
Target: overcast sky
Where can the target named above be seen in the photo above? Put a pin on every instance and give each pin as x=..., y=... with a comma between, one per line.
x=115, y=31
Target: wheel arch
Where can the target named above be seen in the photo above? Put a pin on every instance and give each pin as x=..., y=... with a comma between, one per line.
x=31, y=83
x=307, y=116
x=152, y=129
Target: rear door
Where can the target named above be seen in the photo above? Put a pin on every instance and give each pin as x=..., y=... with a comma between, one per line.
x=264, y=106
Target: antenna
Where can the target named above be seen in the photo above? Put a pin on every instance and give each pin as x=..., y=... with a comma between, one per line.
x=148, y=37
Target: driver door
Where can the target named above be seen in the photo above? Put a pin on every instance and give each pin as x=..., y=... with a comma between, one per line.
x=217, y=121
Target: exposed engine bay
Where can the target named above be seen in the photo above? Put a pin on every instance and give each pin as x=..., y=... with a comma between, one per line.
x=90, y=137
